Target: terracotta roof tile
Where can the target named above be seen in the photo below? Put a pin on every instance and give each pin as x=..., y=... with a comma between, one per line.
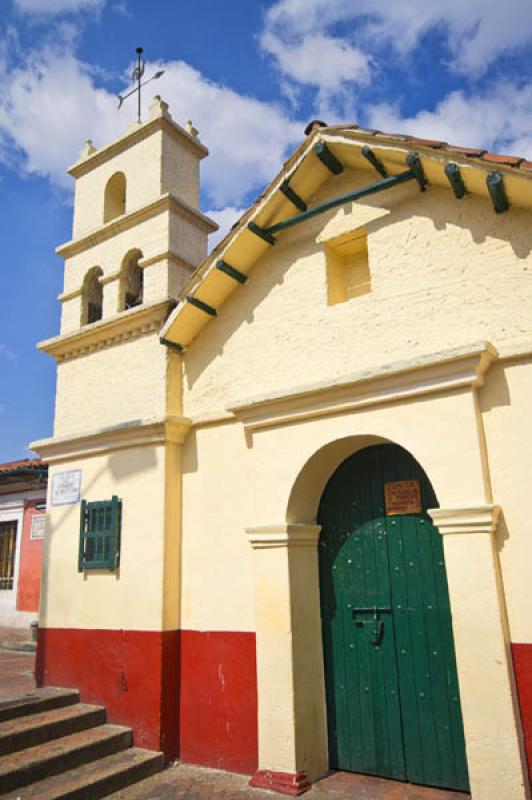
x=517, y=162
x=474, y=152
x=494, y=158
x=22, y=463
x=428, y=142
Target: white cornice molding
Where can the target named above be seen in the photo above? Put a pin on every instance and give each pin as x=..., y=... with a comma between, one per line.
x=466, y=519
x=133, y=137
x=167, y=202
x=137, y=321
x=138, y=434
x=460, y=368
x=266, y=537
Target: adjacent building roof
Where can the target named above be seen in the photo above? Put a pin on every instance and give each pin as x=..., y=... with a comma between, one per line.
x=23, y=475
x=23, y=464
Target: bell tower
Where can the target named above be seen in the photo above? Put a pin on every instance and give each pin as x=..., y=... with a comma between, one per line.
x=110, y=598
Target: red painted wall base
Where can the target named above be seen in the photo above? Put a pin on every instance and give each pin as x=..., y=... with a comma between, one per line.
x=218, y=700
x=187, y=693
x=292, y=783
x=134, y=674
x=522, y=656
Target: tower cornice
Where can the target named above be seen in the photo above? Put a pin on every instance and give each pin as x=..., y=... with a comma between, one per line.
x=167, y=202
x=132, y=137
x=130, y=324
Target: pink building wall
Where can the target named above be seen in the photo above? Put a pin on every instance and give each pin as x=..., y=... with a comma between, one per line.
x=29, y=579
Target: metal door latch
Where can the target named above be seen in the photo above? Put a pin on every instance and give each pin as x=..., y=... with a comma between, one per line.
x=376, y=623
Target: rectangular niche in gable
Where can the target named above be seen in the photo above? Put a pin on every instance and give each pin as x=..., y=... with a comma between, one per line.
x=347, y=266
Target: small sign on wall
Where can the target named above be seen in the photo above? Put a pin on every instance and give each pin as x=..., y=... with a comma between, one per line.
x=402, y=497
x=38, y=526
x=66, y=487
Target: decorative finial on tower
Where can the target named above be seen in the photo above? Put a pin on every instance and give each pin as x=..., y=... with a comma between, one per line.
x=88, y=149
x=189, y=127
x=159, y=108
x=136, y=75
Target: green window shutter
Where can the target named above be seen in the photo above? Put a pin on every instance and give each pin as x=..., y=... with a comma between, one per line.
x=99, y=539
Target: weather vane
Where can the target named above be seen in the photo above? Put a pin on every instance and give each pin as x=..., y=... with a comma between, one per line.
x=136, y=76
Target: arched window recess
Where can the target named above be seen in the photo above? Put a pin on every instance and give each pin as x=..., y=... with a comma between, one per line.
x=114, y=204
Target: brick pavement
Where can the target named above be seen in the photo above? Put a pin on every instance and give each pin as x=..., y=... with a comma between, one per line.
x=188, y=782
x=16, y=669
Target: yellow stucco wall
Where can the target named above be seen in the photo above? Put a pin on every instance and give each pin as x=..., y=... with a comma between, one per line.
x=443, y=273
x=99, y=598
x=124, y=383
x=505, y=403
x=218, y=504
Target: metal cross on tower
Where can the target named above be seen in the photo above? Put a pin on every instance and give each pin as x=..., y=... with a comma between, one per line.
x=136, y=76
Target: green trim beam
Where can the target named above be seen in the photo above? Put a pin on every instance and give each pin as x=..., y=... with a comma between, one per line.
x=412, y=161
x=373, y=188
x=233, y=273
x=328, y=158
x=374, y=160
x=452, y=171
x=205, y=307
x=262, y=233
x=495, y=184
x=294, y=198
x=172, y=345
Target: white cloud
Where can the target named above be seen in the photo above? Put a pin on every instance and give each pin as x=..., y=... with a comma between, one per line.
x=46, y=7
x=476, y=32
x=470, y=120
x=50, y=105
x=318, y=60
x=225, y=217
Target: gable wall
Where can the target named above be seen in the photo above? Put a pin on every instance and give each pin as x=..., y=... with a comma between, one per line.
x=444, y=273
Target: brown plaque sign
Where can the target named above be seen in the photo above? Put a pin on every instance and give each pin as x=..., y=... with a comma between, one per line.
x=402, y=497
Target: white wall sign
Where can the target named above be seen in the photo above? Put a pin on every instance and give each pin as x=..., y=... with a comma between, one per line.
x=66, y=487
x=38, y=524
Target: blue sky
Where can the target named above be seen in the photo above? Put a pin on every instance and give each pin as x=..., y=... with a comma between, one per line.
x=249, y=75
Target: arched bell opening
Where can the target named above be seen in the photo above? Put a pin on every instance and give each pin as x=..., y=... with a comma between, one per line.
x=131, y=281
x=92, y=297
x=392, y=696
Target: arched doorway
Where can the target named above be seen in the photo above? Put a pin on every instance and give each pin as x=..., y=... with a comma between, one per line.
x=393, y=703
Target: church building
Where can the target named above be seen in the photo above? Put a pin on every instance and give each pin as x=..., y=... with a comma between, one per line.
x=288, y=526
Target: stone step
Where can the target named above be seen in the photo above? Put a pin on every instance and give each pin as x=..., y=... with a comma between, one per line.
x=33, y=729
x=59, y=755
x=37, y=701
x=95, y=780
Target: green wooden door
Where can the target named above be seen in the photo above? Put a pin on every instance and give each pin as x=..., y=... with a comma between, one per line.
x=393, y=703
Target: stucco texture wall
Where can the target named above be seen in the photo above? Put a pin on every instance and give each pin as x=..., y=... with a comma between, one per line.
x=100, y=599
x=443, y=273
x=122, y=383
